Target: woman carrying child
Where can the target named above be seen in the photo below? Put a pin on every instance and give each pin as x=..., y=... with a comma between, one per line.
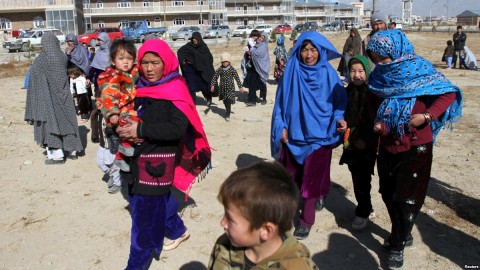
x=174, y=151
x=418, y=102
x=228, y=75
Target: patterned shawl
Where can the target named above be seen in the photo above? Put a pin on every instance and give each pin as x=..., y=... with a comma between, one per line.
x=280, y=52
x=407, y=77
x=79, y=55
x=309, y=101
x=49, y=102
x=102, y=56
x=261, y=58
x=195, y=150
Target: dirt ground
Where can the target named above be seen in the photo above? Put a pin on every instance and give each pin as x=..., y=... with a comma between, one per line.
x=61, y=217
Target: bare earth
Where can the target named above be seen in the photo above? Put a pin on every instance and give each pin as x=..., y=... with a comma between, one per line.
x=61, y=217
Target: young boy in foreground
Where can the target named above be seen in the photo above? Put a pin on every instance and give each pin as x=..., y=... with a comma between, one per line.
x=260, y=202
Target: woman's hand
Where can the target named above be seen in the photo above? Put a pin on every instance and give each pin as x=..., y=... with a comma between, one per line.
x=417, y=120
x=212, y=88
x=377, y=127
x=284, y=136
x=113, y=119
x=341, y=126
x=128, y=131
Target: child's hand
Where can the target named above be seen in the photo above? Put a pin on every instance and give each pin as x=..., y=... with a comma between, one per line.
x=114, y=119
x=98, y=104
x=417, y=120
x=377, y=127
x=212, y=88
x=341, y=126
x=284, y=136
x=242, y=90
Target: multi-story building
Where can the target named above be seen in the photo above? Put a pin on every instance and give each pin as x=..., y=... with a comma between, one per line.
x=75, y=16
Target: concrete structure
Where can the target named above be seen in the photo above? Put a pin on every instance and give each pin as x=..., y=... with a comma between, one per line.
x=75, y=16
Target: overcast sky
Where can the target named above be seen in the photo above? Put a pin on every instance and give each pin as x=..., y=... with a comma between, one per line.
x=422, y=7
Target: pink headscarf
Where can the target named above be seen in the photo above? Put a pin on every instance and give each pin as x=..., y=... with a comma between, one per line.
x=196, y=153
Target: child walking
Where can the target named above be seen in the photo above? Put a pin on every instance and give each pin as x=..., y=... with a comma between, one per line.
x=281, y=58
x=79, y=91
x=418, y=102
x=360, y=142
x=117, y=85
x=260, y=202
x=228, y=75
x=448, y=53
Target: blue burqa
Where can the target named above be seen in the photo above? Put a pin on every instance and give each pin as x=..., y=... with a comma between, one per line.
x=309, y=101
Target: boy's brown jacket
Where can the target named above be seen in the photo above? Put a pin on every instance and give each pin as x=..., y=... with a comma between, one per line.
x=291, y=255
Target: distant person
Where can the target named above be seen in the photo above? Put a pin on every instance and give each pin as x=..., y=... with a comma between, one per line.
x=281, y=58
x=392, y=25
x=91, y=54
x=378, y=22
x=228, y=76
x=79, y=91
x=257, y=74
x=459, y=39
x=259, y=202
x=196, y=63
x=448, y=54
x=353, y=43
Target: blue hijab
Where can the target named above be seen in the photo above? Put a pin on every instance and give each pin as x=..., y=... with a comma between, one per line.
x=407, y=77
x=309, y=101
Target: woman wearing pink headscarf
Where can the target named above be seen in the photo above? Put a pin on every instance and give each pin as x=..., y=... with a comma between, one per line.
x=174, y=151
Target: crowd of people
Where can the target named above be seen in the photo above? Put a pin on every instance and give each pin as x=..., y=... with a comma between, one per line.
x=386, y=112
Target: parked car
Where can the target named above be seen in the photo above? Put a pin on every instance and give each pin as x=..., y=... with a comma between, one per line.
x=283, y=28
x=311, y=26
x=299, y=27
x=185, y=33
x=241, y=29
x=215, y=31
x=91, y=36
x=138, y=30
x=333, y=26
x=32, y=37
x=264, y=28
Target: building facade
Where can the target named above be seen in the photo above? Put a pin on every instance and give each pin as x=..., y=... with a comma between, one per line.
x=76, y=16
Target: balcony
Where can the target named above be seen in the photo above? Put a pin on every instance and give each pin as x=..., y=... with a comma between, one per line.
x=34, y=5
x=152, y=9
x=251, y=11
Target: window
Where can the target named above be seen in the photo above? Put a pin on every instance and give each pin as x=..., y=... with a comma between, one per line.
x=146, y=3
x=86, y=4
x=178, y=21
x=149, y=24
x=99, y=4
x=123, y=24
x=177, y=3
x=200, y=21
x=200, y=2
x=5, y=24
x=37, y=22
x=259, y=7
x=274, y=7
x=124, y=4
x=101, y=24
x=238, y=8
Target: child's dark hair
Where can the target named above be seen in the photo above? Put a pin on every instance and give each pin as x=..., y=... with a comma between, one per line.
x=255, y=33
x=92, y=49
x=263, y=192
x=354, y=61
x=449, y=42
x=121, y=44
x=74, y=70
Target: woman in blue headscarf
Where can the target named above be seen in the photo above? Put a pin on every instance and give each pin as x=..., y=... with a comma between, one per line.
x=417, y=102
x=307, y=121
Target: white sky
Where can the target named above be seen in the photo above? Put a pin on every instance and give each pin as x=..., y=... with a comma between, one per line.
x=422, y=7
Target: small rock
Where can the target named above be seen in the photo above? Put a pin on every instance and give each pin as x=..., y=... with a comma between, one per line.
x=28, y=162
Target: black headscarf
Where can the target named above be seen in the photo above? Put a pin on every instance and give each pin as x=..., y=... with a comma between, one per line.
x=199, y=56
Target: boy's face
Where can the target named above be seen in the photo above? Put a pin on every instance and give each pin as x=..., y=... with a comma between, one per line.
x=225, y=64
x=237, y=228
x=123, y=61
x=357, y=74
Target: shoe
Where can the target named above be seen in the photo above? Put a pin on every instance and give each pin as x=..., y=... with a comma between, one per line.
x=387, y=248
x=319, y=205
x=122, y=165
x=359, y=223
x=395, y=259
x=264, y=102
x=72, y=156
x=250, y=104
x=173, y=244
x=114, y=189
x=209, y=103
x=227, y=119
x=301, y=232
x=127, y=151
x=110, y=182
x=54, y=161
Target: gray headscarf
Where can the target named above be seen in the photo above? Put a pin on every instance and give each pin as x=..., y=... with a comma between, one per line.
x=261, y=58
x=49, y=104
x=102, y=56
x=79, y=55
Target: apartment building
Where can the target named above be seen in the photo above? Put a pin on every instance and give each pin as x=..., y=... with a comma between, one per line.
x=75, y=16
